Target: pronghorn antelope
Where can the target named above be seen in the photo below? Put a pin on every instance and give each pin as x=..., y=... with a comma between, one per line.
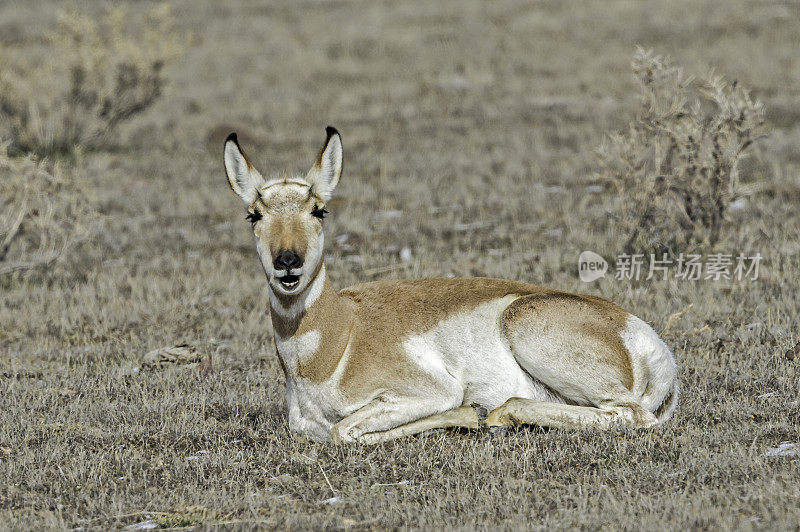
x=382, y=360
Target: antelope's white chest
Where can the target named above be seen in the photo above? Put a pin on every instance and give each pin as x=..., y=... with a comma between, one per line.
x=313, y=407
x=296, y=349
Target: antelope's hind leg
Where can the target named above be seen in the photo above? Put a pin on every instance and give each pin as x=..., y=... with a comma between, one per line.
x=518, y=411
x=576, y=346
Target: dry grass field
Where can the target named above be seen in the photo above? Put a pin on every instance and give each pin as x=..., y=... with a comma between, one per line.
x=470, y=132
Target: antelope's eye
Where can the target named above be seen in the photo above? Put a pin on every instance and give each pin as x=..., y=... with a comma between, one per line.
x=253, y=217
x=319, y=212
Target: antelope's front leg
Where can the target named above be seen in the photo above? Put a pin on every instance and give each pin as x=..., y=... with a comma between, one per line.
x=466, y=417
x=381, y=415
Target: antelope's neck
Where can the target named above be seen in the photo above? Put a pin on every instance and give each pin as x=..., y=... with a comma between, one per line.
x=311, y=329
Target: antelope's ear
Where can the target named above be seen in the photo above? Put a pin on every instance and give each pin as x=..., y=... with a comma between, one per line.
x=243, y=178
x=324, y=175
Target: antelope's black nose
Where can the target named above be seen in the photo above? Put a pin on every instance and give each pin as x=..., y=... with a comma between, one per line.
x=287, y=260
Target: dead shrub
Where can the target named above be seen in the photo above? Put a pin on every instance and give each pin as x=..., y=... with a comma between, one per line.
x=676, y=168
x=43, y=213
x=92, y=76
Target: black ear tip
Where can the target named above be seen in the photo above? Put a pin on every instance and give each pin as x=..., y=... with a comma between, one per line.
x=232, y=137
x=331, y=131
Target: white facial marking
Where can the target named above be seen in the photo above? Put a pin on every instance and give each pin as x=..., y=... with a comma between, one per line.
x=266, y=262
x=303, y=301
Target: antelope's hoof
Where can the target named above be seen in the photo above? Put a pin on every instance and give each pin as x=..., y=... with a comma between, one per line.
x=339, y=435
x=482, y=413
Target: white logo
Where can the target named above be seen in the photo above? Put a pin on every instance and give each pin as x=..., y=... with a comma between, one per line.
x=591, y=266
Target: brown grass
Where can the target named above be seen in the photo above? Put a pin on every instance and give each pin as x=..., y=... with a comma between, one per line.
x=469, y=131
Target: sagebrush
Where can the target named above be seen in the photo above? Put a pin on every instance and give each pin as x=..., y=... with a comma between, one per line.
x=91, y=76
x=43, y=213
x=676, y=168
